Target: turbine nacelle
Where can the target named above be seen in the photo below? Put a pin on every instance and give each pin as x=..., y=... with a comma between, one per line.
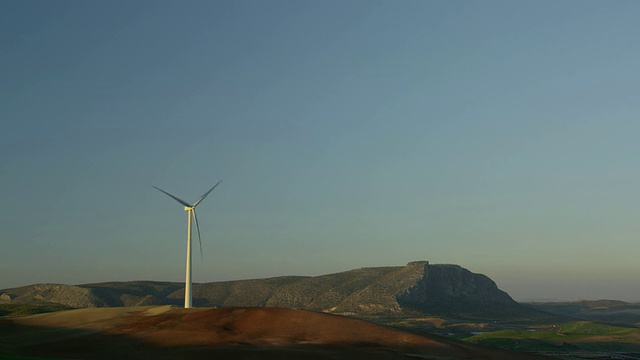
x=188, y=208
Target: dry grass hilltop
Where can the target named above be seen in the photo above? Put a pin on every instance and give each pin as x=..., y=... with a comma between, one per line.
x=165, y=332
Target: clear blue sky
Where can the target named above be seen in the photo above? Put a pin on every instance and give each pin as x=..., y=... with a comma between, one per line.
x=498, y=135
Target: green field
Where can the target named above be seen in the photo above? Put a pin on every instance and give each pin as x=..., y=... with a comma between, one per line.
x=563, y=340
x=567, y=332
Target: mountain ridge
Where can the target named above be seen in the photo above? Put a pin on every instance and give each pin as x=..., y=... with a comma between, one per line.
x=416, y=288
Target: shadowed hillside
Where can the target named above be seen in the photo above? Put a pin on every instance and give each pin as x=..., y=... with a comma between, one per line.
x=417, y=288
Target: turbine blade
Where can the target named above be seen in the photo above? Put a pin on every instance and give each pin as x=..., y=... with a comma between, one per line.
x=195, y=217
x=175, y=198
x=205, y=194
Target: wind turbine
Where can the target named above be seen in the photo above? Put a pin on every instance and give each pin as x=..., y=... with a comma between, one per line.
x=191, y=210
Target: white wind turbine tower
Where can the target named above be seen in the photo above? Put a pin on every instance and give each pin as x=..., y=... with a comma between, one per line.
x=191, y=210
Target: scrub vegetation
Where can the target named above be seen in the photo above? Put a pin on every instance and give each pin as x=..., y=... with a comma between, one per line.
x=11, y=310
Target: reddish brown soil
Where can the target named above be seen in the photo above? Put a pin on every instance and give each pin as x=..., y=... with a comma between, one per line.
x=162, y=332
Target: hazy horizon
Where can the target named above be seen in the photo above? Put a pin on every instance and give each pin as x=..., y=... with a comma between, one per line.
x=495, y=135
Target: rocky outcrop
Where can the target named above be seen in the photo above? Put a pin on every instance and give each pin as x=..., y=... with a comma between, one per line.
x=5, y=298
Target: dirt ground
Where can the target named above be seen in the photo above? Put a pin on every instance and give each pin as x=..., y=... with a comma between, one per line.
x=163, y=332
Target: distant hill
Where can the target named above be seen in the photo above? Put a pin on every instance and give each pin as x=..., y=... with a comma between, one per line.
x=611, y=311
x=417, y=288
